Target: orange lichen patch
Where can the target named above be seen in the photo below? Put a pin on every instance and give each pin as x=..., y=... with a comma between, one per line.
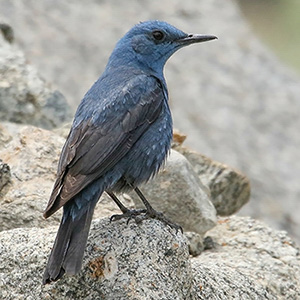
x=224, y=244
x=223, y=221
x=178, y=138
x=95, y=248
x=97, y=266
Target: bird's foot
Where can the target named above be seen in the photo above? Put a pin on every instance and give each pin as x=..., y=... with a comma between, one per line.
x=153, y=214
x=140, y=215
x=129, y=214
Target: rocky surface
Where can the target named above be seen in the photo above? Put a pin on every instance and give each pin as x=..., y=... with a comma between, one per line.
x=229, y=188
x=24, y=95
x=232, y=97
x=249, y=260
x=150, y=261
x=121, y=262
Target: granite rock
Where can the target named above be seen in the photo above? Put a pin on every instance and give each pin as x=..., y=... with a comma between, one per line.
x=122, y=261
x=229, y=188
x=24, y=95
x=249, y=260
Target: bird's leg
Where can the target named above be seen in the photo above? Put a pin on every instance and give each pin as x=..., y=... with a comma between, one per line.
x=152, y=213
x=127, y=213
x=122, y=207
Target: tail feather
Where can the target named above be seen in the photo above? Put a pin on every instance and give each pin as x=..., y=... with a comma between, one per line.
x=67, y=253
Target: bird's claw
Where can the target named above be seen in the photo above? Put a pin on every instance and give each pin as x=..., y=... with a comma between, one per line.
x=160, y=216
x=140, y=215
x=129, y=214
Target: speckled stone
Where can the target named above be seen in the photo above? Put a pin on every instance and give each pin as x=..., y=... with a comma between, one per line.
x=249, y=260
x=144, y=261
x=24, y=96
x=246, y=260
x=229, y=188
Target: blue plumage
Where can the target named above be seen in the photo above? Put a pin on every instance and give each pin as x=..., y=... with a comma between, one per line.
x=120, y=137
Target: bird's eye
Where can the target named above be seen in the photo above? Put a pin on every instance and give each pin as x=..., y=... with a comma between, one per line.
x=158, y=35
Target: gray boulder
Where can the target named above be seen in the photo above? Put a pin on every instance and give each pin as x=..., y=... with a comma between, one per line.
x=24, y=96
x=249, y=261
x=32, y=155
x=145, y=261
x=229, y=188
x=150, y=261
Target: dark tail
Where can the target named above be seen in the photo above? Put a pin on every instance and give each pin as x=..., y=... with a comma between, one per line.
x=67, y=253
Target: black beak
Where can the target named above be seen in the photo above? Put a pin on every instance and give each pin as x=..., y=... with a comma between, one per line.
x=195, y=38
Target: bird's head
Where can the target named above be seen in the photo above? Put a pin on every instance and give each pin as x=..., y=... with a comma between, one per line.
x=151, y=43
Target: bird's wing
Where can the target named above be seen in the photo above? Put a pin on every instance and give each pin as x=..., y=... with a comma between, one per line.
x=96, y=144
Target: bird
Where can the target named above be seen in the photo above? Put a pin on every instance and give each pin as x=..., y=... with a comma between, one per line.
x=120, y=137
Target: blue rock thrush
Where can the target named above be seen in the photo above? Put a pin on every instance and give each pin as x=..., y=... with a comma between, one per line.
x=120, y=136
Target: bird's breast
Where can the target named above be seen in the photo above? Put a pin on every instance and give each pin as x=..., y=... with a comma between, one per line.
x=150, y=151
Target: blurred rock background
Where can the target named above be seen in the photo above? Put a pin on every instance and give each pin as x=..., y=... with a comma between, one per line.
x=277, y=23
x=236, y=101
